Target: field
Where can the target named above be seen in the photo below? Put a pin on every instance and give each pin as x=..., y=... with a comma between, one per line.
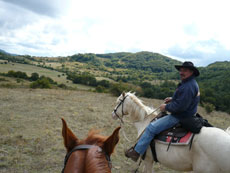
x=30, y=127
x=29, y=69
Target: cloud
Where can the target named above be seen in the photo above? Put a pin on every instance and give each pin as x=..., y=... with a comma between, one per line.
x=201, y=52
x=51, y=8
x=66, y=27
x=12, y=17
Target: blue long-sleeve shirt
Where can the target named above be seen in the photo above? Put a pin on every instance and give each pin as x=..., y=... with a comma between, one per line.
x=185, y=100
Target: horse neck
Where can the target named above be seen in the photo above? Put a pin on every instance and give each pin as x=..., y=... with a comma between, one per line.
x=140, y=114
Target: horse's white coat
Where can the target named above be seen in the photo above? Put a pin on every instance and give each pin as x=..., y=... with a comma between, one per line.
x=210, y=152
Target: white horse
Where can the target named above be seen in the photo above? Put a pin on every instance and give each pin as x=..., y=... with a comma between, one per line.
x=210, y=152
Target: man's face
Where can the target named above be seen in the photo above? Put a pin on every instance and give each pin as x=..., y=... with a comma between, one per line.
x=185, y=73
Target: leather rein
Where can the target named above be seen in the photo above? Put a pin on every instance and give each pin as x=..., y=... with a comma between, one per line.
x=121, y=117
x=84, y=147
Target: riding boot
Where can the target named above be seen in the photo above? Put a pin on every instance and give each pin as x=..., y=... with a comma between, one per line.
x=132, y=154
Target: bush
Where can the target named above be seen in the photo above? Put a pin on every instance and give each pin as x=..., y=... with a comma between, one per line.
x=41, y=83
x=104, y=83
x=209, y=107
x=2, y=79
x=100, y=89
x=34, y=76
x=17, y=74
x=118, y=88
x=62, y=86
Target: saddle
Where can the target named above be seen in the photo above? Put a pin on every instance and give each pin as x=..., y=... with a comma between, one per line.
x=176, y=135
x=181, y=134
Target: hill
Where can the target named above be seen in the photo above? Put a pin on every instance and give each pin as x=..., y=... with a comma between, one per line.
x=215, y=85
x=149, y=74
x=4, y=52
x=146, y=61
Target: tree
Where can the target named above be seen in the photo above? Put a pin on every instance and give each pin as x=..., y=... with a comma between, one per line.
x=34, y=76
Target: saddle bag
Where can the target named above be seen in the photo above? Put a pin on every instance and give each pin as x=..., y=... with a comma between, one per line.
x=194, y=123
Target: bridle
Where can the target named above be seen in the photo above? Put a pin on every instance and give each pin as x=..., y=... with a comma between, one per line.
x=121, y=117
x=85, y=147
x=122, y=109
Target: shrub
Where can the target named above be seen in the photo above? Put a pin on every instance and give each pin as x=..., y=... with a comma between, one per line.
x=2, y=79
x=118, y=88
x=209, y=107
x=62, y=86
x=100, y=89
x=17, y=74
x=34, y=76
x=41, y=83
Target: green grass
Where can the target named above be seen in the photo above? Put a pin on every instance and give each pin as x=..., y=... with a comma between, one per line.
x=30, y=127
x=29, y=69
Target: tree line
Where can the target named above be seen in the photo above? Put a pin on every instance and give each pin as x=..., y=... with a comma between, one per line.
x=36, y=80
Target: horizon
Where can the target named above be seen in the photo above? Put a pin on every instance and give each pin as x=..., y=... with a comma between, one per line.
x=106, y=53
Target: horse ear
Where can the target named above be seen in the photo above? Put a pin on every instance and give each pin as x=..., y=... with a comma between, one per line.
x=123, y=94
x=111, y=141
x=70, y=140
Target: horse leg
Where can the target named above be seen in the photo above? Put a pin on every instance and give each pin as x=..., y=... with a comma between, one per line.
x=148, y=162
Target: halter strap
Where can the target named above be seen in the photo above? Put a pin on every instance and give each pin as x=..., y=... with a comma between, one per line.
x=120, y=104
x=84, y=147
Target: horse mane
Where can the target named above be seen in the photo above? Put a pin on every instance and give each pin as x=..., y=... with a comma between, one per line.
x=228, y=130
x=139, y=110
x=95, y=138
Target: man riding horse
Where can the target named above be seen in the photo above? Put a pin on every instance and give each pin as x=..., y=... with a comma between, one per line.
x=183, y=105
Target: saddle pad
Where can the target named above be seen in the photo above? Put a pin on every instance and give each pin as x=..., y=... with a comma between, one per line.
x=176, y=140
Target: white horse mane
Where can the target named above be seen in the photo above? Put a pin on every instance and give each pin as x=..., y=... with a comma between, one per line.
x=228, y=130
x=138, y=110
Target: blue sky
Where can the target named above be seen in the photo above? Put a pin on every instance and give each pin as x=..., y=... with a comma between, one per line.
x=186, y=30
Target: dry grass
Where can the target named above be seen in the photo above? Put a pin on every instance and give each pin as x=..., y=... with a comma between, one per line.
x=30, y=127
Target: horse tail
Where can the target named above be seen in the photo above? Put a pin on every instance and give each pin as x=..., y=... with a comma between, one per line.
x=228, y=130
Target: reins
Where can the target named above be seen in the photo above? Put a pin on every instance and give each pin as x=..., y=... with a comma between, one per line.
x=122, y=123
x=123, y=131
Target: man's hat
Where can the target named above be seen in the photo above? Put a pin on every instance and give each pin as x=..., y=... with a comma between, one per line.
x=189, y=65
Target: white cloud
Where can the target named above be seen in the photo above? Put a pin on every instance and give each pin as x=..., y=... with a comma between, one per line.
x=182, y=29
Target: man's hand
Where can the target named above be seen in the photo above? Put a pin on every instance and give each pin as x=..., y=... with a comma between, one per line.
x=162, y=107
x=168, y=99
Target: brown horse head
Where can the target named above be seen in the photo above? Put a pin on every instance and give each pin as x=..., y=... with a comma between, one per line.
x=90, y=155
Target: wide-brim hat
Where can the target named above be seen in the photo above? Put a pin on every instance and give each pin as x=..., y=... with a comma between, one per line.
x=189, y=65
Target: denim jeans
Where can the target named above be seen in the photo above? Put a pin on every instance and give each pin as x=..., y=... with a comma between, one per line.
x=153, y=129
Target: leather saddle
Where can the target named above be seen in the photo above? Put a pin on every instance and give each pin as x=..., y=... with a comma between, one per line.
x=176, y=135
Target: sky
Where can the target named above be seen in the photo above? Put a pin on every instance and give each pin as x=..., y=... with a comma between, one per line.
x=186, y=30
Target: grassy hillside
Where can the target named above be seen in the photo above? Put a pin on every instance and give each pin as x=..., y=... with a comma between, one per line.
x=29, y=69
x=30, y=127
x=138, y=70
x=58, y=77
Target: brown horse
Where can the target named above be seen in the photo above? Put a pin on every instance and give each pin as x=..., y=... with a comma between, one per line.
x=91, y=155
